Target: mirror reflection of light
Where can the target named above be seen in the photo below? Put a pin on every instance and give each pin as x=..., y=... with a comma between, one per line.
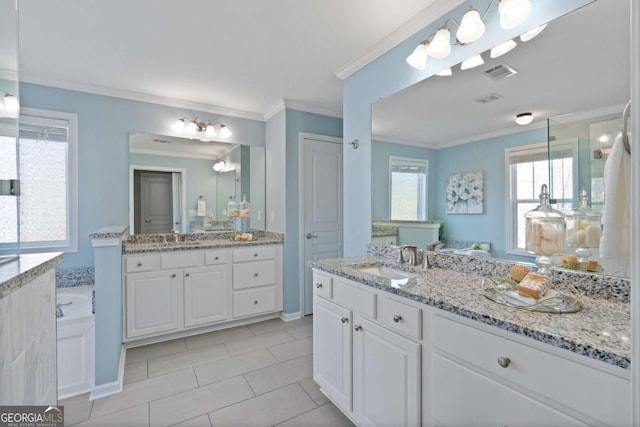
x=445, y=73
x=525, y=37
x=472, y=62
x=502, y=48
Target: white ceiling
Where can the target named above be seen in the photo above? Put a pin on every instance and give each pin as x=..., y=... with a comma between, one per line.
x=163, y=145
x=244, y=55
x=580, y=62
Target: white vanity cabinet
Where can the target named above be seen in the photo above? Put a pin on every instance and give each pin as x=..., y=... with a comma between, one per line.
x=172, y=293
x=372, y=373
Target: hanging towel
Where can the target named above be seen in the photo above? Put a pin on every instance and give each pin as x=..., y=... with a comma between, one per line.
x=615, y=245
x=202, y=208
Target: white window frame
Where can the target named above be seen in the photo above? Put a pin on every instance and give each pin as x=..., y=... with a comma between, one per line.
x=510, y=185
x=421, y=162
x=71, y=243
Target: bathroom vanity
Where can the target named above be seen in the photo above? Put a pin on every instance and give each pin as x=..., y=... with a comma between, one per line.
x=436, y=352
x=198, y=285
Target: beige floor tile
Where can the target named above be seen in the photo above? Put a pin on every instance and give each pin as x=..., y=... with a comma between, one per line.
x=136, y=416
x=301, y=331
x=165, y=364
x=313, y=390
x=144, y=391
x=76, y=409
x=135, y=371
x=217, y=337
x=292, y=350
x=274, y=325
x=201, y=421
x=327, y=415
x=193, y=403
x=259, y=342
x=265, y=410
x=276, y=376
x=152, y=351
x=226, y=368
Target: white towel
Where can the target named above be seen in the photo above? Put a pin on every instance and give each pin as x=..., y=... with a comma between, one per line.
x=615, y=245
x=202, y=208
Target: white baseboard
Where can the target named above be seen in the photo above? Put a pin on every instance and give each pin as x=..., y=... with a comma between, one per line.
x=287, y=317
x=113, y=387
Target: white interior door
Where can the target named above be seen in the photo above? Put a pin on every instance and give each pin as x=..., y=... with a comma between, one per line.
x=322, y=194
x=156, y=202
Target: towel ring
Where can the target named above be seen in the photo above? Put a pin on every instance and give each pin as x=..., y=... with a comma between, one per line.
x=625, y=119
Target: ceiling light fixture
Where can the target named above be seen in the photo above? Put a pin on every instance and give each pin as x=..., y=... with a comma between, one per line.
x=525, y=37
x=195, y=128
x=502, y=48
x=524, y=119
x=9, y=103
x=220, y=166
x=472, y=62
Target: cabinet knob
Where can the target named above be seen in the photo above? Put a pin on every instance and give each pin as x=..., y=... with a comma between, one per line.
x=187, y=274
x=318, y=285
x=357, y=327
x=216, y=258
x=139, y=264
x=255, y=302
x=173, y=275
x=255, y=274
x=255, y=255
x=397, y=318
x=504, y=361
x=345, y=320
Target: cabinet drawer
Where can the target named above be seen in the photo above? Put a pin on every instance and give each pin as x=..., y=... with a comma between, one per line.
x=254, y=253
x=252, y=274
x=593, y=392
x=141, y=263
x=253, y=301
x=215, y=257
x=322, y=285
x=400, y=317
x=354, y=298
x=180, y=259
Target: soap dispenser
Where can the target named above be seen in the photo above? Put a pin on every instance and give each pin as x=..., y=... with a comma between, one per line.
x=544, y=232
x=583, y=229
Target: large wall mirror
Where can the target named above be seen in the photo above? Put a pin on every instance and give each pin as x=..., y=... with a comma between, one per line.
x=187, y=184
x=465, y=122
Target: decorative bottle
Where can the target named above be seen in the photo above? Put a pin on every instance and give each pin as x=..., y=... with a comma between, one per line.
x=545, y=232
x=583, y=229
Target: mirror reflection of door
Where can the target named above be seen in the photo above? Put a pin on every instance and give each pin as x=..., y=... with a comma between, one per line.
x=153, y=202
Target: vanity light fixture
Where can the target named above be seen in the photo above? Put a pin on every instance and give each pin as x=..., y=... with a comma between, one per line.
x=471, y=27
x=524, y=119
x=9, y=103
x=472, y=62
x=502, y=48
x=195, y=127
x=525, y=37
x=445, y=73
x=220, y=166
x=418, y=59
x=513, y=12
x=440, y=46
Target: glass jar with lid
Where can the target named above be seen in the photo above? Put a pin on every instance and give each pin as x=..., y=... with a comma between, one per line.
x=584, y=229
x=232, y=209
x=244, y=212
x=545, y=232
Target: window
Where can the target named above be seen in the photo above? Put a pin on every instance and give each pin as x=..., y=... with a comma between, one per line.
x=47, y=169
x=527, y=170
x=408, y=188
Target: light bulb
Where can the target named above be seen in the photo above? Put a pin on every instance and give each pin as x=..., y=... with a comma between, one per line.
x=471, y=27
x=524, y=119
x=11, y=104
x=418, y=59
x=225, y=132
x=532, y=33
x=513, y=12
x=191, y=128
x=472, y=62
x=210, y=131
x=502, y=48
x=440, y=46
x=178, y=126
x=219, y=166
x=445, y=73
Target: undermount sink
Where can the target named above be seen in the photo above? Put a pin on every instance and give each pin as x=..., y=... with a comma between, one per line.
x=397, y=277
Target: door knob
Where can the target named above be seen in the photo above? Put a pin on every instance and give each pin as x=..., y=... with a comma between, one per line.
x=311, y=236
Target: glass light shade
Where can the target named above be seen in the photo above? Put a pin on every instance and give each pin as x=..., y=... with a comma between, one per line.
x=524, y=119
x=225, y=132
x=531, y=34
x=445, y=73
x=472, y=62
x=471, y=27
x=502, y=48
x=418, y=59
x=440, y=46
x=191, y=128
x=513, y=12
x=178, y=126
x=11, y=104
x=210, y=131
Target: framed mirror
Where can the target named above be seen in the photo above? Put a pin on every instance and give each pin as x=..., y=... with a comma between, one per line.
x=187, y=184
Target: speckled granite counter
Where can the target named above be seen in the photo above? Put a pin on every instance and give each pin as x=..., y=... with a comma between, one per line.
x=15, y=274
x=600, y=331
x=195, y=241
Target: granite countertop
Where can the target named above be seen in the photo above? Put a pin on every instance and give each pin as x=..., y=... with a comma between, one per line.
x=195, y=241
x=600, y=331
x=16, y=274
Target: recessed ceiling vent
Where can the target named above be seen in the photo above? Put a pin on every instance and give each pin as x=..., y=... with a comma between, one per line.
x=162, y=141
x=499, y=72
x=490, y=97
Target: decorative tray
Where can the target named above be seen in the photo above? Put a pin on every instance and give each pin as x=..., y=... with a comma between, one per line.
x=506, y=293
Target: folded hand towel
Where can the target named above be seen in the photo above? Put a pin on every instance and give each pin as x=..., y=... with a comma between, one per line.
x=202, y=208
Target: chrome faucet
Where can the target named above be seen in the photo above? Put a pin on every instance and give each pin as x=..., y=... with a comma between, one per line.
x=413, y=254
x=426, y=264
x=433, y=246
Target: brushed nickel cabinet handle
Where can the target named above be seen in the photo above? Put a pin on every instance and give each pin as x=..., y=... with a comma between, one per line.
x=139, y=264
x=357, y=327
x=187, y=274
x=504, y=361
x=345, y=320
x=173, y=275
x=318, y=285
x=255, y=274
x=255, y=302
x=397, y=318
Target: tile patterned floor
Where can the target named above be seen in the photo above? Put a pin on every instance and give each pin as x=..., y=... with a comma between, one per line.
x=255, y=375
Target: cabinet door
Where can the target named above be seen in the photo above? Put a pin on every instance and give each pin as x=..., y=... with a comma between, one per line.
x=332, y=351
x=205, y=295
x=386, y=376
x=152, y=302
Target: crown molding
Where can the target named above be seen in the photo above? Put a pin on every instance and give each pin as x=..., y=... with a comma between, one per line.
x=392, y=140
x=139, y=96
x=273, y=110
x=428, y=15
x=311, y=108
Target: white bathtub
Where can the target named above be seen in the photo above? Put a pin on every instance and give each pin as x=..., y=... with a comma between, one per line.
x=76, y=341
